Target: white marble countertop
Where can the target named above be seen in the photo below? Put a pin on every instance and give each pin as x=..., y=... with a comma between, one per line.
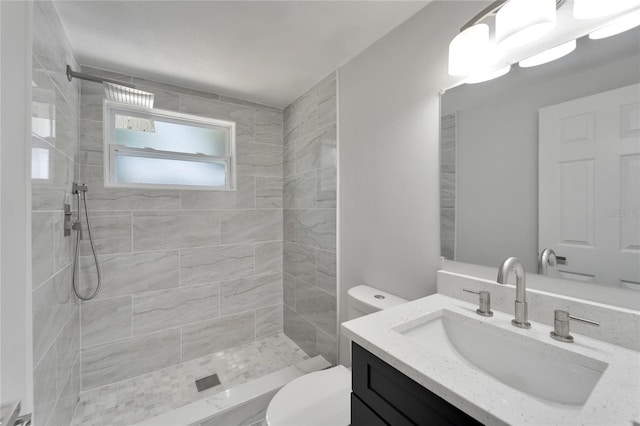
x=615, y=399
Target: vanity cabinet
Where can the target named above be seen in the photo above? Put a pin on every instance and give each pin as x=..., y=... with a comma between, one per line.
x=382, y=395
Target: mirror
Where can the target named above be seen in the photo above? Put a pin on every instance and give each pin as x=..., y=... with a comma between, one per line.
x=548, y=157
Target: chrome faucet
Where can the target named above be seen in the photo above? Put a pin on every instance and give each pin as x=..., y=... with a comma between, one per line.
x=547, y=258
x=513, y=264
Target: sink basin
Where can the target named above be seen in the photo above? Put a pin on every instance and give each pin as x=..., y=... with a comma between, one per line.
x=541, y=370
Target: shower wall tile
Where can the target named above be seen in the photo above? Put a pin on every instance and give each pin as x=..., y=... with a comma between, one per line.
x=243, y=226
x=52, y=306
x=300, y=262
x=268, y=257
x=316, y=228
x=244, y=197
x=213, y=336
x=129, y=274
x=309, y=219
x=326, y=274
x=243, y=116
x=259, y=159
x=42, y=247
x=301, y=331
x=101, y=198
x=158, y=230
x=132, y=357
x=269, y=321
x=182, y=257
x=249, y=294
x=300, y=191
x=173, y=308
x=105, y=320
x=111, y=233
x=205, y=265
x=269, y=126
x=326, y=184
x=55, y=109
x=268, y=193
x=317, y=307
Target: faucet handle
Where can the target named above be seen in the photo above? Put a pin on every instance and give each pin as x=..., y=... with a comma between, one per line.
x=485, y=302
x=561, y=325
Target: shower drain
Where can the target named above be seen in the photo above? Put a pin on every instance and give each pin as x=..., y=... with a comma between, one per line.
x=207, y=382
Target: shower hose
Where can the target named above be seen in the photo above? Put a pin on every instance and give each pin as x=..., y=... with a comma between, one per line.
x=74, y=278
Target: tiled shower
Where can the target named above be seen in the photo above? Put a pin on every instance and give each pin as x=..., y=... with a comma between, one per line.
x=185, y=274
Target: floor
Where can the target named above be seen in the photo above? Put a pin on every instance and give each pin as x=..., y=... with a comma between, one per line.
x=133, y=400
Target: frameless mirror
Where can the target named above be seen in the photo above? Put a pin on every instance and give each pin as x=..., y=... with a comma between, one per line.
x=548, y=157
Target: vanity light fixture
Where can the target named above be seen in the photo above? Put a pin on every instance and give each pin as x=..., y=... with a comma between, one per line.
x=483, y=76
x=469, y=49
x=625, y=23
x=589, y=9
x=519, y=22
x=549, y=55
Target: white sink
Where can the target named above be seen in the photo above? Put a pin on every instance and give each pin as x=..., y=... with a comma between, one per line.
x=541, y=370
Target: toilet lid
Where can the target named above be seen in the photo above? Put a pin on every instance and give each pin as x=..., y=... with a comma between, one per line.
x=319, y=398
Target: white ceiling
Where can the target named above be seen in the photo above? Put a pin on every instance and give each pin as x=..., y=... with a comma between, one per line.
x=264, y=51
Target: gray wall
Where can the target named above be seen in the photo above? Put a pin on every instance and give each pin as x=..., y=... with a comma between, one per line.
x=185, y=273
x=310, y=220
x=56, y=319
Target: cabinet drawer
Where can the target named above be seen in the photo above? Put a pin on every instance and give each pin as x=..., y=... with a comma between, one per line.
x=396, y=398
x=361, y=415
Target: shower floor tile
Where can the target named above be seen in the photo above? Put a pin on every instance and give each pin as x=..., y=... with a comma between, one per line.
x=136, y=399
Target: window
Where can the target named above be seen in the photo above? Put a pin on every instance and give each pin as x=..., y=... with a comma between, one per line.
x=151, y=148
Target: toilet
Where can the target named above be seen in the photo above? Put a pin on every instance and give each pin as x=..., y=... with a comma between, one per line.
x=324, y=397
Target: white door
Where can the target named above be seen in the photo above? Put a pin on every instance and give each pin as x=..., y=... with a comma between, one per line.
x=589, y=186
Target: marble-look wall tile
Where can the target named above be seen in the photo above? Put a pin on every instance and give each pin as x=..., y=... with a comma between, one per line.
x=317, y=151
x=327, y=347
x=172, y=308
x=447, y=249
x=248, y=294
x=68, y=398
x=316, y=228
x=132, y=273
x=268, y=193
x=212, y=336
x=326, y=274
x=241, y=115
x=327, y=106
x=244, y=197
x=159, y=230
x=52, y=306
x=67, y=350
x=300, y=118
x=289, y=159
x=101, y=198
x=44, y=387
x=155, y=85
x=259, y=159
x=300, y=191
x=138, y=355
x=91, y=136
x=268, y=257
x=301, y=331
x=317, y=307
x=205, y=265
x=447, y=223
x=66, y=130
x=62, y=246
x=269, y=126
x=300, y=262
x=269, y=321
x=111, y=233
x=41, y=247
x=447, y=190
x=288, y=225
x=326, y=185
x=105, y=320
x=245, y=226
x=289, y=290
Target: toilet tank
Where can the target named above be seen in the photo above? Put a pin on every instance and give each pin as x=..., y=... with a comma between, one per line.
x=364, y=300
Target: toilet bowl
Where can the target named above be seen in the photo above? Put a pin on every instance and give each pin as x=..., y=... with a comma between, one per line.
x=324, y=397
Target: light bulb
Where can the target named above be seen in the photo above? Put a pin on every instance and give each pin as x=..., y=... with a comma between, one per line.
x=520, y=22
x=469, y=49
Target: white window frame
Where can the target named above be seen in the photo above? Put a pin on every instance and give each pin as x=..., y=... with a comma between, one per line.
x=111, y=148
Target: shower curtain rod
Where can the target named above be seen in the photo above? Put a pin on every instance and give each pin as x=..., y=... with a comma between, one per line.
x=72, y=74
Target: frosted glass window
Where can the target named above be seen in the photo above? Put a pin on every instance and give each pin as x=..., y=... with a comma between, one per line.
x=142, y=170
x=165, y=149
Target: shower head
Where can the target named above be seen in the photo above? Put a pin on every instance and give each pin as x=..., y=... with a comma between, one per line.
x=128, y=95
